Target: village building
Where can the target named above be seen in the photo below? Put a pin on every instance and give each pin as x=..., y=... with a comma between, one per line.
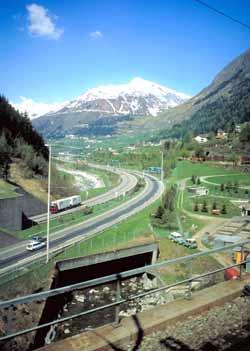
x=201, y=139
x=221, y=134
x=222, y=240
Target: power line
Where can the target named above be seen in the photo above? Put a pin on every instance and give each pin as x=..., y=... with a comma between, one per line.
x=223, y=14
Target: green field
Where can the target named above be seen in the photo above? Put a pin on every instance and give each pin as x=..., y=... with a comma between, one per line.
x=242, y=179
x=186, y=169
x=189, y=203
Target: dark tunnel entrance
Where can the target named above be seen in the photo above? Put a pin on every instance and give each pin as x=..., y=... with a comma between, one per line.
x=88, y=268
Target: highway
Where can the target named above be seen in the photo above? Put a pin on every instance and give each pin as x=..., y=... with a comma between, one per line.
x=127, y=183
x=18, y=257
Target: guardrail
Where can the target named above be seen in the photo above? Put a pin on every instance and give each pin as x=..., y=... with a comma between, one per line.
x=118, y=278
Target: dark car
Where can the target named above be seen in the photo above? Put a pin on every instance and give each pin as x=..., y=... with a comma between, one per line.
x=39, y=239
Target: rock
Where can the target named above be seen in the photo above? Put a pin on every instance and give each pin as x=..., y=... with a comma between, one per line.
x=93, y=291
x=148, y=283
x=80, y=298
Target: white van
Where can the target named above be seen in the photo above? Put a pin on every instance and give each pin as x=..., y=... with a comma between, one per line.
x=191, y=243
x=174, y=236
x=35, y=245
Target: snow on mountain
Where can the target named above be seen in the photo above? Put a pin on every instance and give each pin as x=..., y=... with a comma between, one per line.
x=138, y=97
x=136, y=87
x=36, y=109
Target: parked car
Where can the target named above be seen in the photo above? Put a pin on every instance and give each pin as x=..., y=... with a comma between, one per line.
x=174, y=236
x=35, y=245
x=180, y=241
x=191, y=243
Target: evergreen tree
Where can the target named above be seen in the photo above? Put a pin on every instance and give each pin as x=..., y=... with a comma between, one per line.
x=193, y=179
x=224, y=210
x=245, y=134
x=159, y=212
x=204, y=206
x=5, y=160
x=19, y=139
x=222, y=187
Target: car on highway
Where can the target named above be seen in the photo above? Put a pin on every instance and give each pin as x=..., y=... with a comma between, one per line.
x=40, y=239
x=35, y=245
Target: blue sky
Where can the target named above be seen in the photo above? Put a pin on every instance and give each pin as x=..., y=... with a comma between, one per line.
x=54, y=50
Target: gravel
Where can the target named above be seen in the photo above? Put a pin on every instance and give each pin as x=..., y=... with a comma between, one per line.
x=221, y=328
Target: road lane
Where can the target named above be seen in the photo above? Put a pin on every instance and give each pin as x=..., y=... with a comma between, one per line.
x=153, y=190
x=127, y=183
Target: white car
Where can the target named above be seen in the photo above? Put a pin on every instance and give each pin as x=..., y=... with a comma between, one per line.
x=35, y=245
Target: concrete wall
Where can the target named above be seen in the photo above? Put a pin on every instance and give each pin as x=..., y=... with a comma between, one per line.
x=11, y=210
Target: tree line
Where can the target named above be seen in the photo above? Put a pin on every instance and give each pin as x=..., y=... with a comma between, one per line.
x=18, y=139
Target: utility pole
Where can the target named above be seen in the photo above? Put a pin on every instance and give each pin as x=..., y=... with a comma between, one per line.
x=48, y=205
x=162, y=171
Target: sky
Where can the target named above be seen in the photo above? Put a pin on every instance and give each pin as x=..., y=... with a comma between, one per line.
x=53, y=50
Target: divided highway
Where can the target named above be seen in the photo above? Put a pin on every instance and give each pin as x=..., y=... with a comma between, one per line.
x=127, y=183
x=18, y=257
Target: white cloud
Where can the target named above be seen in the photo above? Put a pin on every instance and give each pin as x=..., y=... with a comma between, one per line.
x=35, y=109
x=41, y=24
x=96, y=34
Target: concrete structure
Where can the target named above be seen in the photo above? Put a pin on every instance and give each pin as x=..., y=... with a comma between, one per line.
x=223, y=240
x=13, y=211
x=80, y=262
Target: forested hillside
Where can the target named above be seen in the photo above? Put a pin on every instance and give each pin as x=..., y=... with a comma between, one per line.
x=225, y=102
x=19, y=140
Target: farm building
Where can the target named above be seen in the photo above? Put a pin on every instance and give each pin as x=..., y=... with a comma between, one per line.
x=223, y=240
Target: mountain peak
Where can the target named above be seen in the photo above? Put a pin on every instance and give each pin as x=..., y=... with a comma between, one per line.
x=137, y=97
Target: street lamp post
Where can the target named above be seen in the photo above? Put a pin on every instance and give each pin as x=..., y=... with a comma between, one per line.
x=48, y=205
x=162, y=171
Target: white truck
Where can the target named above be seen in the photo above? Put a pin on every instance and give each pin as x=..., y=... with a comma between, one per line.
x=64, y=204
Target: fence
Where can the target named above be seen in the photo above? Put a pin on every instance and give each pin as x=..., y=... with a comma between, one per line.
x=187, y=260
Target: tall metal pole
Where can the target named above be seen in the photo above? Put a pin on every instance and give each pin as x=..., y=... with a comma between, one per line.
x=162, y=171
x=48, y=205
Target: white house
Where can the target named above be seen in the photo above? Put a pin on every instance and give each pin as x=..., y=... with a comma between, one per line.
x=200, y=139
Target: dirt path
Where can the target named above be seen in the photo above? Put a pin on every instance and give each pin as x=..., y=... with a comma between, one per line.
x=211, y=225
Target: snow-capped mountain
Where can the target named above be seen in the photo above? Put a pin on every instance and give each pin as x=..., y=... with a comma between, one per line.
x=107, y=109
x=138, y=97
x=36, y=109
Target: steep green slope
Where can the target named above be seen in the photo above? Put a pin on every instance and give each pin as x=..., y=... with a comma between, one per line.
x=18, y=139
x=225, y=101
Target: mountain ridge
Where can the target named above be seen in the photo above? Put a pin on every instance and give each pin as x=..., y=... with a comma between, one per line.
x=225, y=100
x=107, y=106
